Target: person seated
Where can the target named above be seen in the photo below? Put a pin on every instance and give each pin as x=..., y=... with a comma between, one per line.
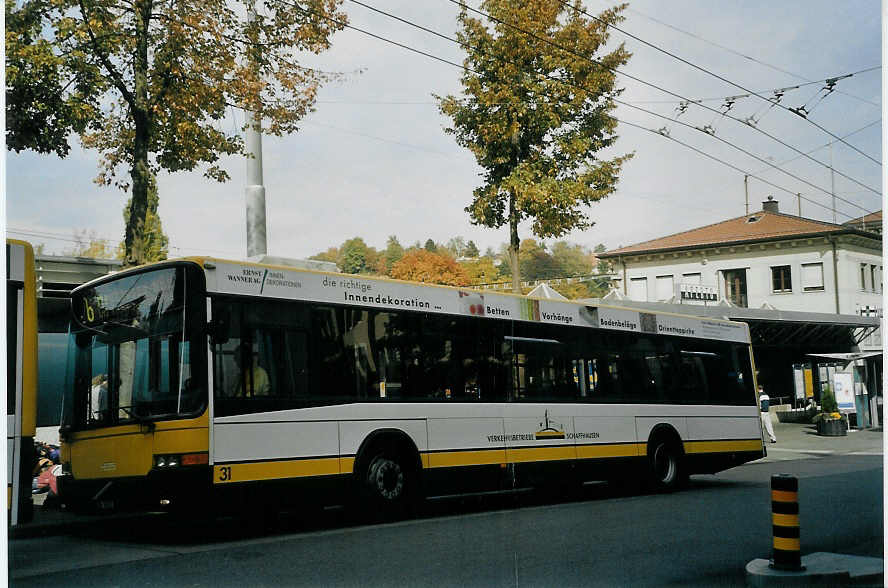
x=254, y=380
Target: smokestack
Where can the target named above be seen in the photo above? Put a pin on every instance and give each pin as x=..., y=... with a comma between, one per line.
x=770, y=205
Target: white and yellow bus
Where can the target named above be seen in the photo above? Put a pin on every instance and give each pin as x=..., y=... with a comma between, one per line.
x=211, y=382
x=21, y=379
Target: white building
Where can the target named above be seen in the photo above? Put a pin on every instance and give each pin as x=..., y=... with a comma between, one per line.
x=762, y=260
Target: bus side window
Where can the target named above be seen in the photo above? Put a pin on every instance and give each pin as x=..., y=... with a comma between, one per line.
x=693, y=384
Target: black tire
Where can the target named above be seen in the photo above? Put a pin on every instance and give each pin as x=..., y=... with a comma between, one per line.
x=667, y=472
x=387, y=485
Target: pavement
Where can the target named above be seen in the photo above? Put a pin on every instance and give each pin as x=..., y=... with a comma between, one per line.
x=801, y=441
x=794, y=441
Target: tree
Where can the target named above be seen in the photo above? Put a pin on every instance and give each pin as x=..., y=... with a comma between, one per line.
x=604, y=266
x=331, y=254
x=146, y=83
x=481, y=271
x=572, y=260
x=535, y=115
x=430, y=246
x=353, y=257
x=88, y=244
x=471, y=250
x=456, y=246
x=392, y=254
x=151, y=244
x=425, y=266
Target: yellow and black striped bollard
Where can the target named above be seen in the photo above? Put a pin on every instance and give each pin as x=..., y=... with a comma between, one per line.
x=785, y=522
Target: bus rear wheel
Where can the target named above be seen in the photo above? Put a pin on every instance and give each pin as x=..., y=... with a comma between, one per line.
x=387, y=485
x=667, y=471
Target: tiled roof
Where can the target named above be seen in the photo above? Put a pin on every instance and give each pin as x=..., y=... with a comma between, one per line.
x=758, y=226
x=874, y=218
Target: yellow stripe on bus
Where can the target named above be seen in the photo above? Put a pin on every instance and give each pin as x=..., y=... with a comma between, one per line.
x=270, y=470
x=526, y=454
x=723, y=446
x=275, y=470
x=619, y=450
x=465, y=458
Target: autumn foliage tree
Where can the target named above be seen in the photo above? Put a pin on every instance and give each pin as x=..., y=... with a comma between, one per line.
x=147, y=82
x=420, y=265
x=535, y=112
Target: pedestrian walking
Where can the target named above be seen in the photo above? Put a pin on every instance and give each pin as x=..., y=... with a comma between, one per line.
x=764, y=402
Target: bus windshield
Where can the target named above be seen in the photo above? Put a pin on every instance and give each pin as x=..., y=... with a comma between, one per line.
x=138, y=354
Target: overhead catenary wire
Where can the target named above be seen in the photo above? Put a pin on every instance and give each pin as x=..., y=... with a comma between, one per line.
x=695, y=100
x=464, y=67
x=744, y=56
x=863, y=128
x=735, y=168
x=707, y=130
x=105, y=240
x=570, y=6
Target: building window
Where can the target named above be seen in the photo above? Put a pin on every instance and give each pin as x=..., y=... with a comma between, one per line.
x=781, y=278
x=665, y=288
x=873, y=279
x=863, y=276
x=735, y=287
x=638, y=289
x=692, y=278
x=812, y=277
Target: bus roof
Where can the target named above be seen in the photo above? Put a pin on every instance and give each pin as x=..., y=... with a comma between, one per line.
x=249, y=278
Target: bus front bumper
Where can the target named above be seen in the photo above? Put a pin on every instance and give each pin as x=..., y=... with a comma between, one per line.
x=156, y=490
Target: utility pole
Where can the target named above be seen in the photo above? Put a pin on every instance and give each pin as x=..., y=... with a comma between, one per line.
x=746, y=189
x=799, y=194
x=255, y=189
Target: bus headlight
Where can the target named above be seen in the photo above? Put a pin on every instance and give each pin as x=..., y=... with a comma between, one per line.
x=183, y=459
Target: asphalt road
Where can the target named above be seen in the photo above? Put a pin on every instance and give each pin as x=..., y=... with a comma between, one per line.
x=702, y=536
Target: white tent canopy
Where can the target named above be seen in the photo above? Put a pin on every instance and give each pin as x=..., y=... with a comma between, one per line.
x=545, y=291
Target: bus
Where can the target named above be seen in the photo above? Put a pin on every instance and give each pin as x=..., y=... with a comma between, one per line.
x=21, y=379
x=204, y=382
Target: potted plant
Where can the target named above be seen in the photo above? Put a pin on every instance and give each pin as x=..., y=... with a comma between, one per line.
x=830, y=422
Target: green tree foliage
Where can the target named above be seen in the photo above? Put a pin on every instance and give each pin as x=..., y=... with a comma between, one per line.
x=355, y=257
x=471, y=250
x=481, y=271
x=564, y=260
x=391, y=255
x=421, y=265
x=45, y=98
x=149, y=244
x=331, y=254
x=572, y=260
x=604, y=266
x=430, y=246
x=146, y=83
x=535, y=115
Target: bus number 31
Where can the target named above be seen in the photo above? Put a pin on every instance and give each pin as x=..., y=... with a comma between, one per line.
x=225, y=474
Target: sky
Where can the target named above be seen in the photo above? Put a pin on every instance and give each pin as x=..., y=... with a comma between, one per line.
x=373, y=159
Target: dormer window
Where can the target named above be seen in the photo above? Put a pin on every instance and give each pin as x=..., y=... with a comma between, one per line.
x=753, y=219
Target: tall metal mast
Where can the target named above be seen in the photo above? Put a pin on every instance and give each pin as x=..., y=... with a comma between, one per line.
x=255, y=190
